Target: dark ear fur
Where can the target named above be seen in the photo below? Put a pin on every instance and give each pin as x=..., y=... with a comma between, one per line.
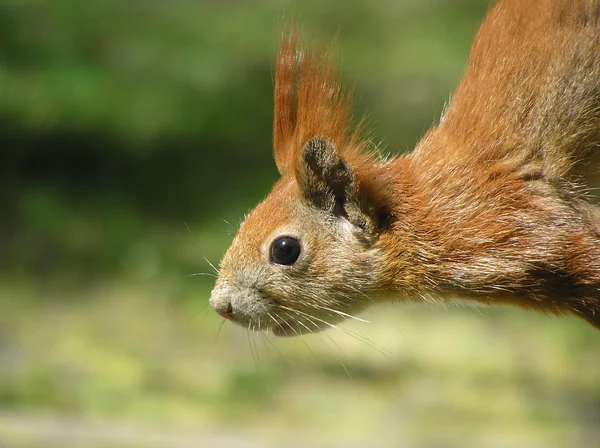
x=329, y=183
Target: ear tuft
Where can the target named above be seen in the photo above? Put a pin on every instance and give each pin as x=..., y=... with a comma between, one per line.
x=309, y=101
x=314, y=139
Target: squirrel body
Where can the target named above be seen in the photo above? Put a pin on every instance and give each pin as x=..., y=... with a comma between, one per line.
x=495, y=203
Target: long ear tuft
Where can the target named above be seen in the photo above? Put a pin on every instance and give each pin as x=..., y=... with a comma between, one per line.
x=314, y=140
x=285, y=102
x=309, y=102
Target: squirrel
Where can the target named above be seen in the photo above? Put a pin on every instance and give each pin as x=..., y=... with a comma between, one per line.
x=495, y=204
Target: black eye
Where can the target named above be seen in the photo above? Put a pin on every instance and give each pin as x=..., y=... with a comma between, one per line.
x=285, y=250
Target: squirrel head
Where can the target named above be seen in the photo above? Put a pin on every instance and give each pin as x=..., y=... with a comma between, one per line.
x=307, y=256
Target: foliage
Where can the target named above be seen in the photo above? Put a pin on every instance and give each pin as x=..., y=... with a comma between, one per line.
x=136, y=134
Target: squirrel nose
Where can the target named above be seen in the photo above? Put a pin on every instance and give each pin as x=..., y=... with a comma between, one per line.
x=223, y=308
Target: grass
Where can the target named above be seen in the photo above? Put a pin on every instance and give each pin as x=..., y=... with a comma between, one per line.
x=124, y=121
x=151, y=354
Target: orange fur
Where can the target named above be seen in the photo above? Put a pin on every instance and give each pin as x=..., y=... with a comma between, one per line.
x=490, y=206
x=310, y=101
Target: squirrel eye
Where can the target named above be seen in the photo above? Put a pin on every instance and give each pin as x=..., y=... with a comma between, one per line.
x=285, y=250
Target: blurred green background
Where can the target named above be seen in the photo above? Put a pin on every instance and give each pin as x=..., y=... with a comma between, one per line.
x=135, y=135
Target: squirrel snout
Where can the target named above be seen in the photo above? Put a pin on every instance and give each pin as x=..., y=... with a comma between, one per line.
x=222, y=306
x=243, y=306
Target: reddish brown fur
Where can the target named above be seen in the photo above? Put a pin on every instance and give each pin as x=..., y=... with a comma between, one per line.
x=310, y=101
x=490, y=206
x=507, y=223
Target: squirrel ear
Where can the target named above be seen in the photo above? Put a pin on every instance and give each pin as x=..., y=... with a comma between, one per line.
x=329, y=183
